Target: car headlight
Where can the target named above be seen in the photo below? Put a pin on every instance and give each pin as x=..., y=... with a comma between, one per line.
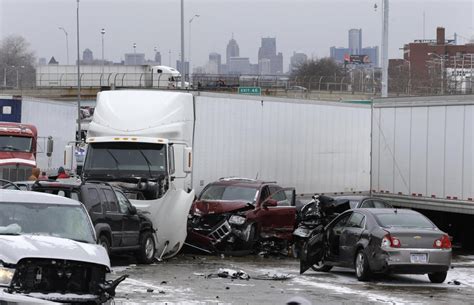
x=236, y=220
x=6, y=275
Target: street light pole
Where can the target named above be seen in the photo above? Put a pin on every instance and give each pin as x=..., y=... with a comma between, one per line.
x=67, y=43
x=189, y=45
x=134, y=54
x=79, y=131
x=385, y=49
x=103, y=33
x=182, y=43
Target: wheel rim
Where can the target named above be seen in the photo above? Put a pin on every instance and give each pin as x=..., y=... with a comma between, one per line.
x=103, y=243
x=149, y=248
x=360, y=264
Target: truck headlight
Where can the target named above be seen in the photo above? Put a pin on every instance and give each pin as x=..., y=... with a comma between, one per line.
x=236, y=220
x=6, y=275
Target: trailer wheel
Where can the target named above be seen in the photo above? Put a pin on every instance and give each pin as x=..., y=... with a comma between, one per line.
x=146, y=253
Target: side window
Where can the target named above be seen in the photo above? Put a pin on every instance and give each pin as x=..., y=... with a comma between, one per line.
x=111, y=204
x=94, y=200
x=381, y=204
x=124, y=204
x=367, y=204
x=265, y=193
x=341, y=223
x=356, y=221
x=279, y=196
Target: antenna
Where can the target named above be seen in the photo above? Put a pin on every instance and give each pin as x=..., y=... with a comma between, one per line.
x=424, y=24
x=256, y=177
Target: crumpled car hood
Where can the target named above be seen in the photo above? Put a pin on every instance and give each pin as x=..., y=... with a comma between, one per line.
x=16, y=247
x=218, y=207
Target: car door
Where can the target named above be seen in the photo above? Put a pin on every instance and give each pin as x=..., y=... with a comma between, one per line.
x=279, y=221
x=131, y=222
x=113, y=217
x=333, y=235
x=350, y=236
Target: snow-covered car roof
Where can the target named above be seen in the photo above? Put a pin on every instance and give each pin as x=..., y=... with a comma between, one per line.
x=34, y=197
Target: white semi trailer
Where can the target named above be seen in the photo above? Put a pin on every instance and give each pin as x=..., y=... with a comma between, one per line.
x=147, y=142
x=423, y=158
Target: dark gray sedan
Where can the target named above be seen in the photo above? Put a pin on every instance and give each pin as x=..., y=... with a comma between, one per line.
x=358, y=202
x=384, y=241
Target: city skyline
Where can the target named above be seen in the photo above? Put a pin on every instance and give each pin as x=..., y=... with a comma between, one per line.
x=136, y=22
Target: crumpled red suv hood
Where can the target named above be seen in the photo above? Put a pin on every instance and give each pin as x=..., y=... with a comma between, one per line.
x=203, y=207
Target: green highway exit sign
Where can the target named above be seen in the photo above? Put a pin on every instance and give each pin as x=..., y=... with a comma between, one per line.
x=250, y=90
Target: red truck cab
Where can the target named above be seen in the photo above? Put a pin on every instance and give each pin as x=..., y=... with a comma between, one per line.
x=17, y=150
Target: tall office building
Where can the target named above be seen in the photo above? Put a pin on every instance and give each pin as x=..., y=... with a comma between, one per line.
x=267, y=55
x=158, y=58
x=239, y=65
x=232, y=50
x=355, y=48
x=355, y=41
x=215, y=63
x=87, y=57
x=297, y=60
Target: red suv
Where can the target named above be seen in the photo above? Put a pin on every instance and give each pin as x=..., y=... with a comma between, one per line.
x=234, y=214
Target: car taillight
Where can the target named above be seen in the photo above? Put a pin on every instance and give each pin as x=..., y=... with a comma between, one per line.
x=443, y=243
x=388, y=241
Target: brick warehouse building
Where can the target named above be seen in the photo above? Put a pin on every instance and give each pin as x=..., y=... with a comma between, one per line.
x=430, y=60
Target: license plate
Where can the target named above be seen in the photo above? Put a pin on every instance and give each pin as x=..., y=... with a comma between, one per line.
x=419, y=258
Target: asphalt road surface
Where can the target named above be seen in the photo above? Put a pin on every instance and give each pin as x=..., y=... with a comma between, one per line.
x=192, y=279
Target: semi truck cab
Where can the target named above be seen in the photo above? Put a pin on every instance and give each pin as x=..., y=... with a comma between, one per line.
x=17, y=150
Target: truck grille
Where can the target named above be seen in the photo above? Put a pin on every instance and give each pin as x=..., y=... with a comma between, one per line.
x=57, y=276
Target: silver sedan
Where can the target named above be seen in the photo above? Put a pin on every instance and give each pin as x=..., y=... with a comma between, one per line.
x=384, y=241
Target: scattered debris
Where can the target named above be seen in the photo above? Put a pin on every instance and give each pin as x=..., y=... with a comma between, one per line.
x=149, y=290
x=228, y=273
x=199, y=274
x=273, y=276
x=298, y=301
x=164, y=282
x=454, y=282
x=161, y=292
x=227, y=287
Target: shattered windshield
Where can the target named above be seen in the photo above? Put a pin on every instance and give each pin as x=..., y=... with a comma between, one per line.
x=34, y=218
x=140, y=158
x=225, y=192
x=13, y=143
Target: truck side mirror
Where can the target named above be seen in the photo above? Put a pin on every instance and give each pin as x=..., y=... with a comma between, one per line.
x=49, y=146
x=69, y=157
x=188, y=160
x=132, y=210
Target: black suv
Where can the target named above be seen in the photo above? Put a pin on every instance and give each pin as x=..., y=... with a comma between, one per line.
x=118, y=225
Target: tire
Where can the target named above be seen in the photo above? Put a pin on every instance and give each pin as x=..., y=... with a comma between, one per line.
x=437, y=277
x=104, y=242
x=321, y=267
x=362, y=266
x=146, y=253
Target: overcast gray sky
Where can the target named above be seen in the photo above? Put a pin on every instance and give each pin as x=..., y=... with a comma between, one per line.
x=310, y=26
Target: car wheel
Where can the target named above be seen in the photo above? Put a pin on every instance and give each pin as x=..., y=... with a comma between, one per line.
x=105, y=242
x=437, y=277
x=321, y=267
x=146, y=253
x=362, y=266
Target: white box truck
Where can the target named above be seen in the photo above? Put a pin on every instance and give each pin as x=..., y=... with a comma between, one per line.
x=423, y=158
x=147, y=142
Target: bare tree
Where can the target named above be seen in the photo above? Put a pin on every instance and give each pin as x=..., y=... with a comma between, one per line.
x=326, y=70
x=17, y=62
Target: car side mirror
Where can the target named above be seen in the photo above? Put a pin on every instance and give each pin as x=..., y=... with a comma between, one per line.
x=270, y=203
x=132, y=210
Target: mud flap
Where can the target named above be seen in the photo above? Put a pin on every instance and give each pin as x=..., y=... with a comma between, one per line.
x=313, y=252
